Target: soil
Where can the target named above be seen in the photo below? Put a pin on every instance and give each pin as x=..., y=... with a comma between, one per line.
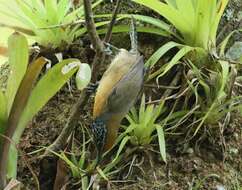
x=188, y=166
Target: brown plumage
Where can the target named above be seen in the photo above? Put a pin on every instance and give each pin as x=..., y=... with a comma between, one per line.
x=117, y=92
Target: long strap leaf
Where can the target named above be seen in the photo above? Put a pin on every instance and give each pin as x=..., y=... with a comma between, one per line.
x=18, y=105
x=18, y=60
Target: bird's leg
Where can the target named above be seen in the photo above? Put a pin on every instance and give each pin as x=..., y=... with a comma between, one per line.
x=110, y=49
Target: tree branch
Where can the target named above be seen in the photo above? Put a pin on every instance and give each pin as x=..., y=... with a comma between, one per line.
x=72, y=121
x=99, y=58
x=91, y=28
x=108, y=35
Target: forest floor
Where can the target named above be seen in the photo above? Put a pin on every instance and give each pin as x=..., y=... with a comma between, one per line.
x=191, y=167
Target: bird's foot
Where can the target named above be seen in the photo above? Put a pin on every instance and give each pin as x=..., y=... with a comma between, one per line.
x=110, y=49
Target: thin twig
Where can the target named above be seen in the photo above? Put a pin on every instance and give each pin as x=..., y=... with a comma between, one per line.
x=108, y=35
x=232, y=81
x=70, y=125
x=229, y=60
x=173, y=83
x=64, y=25
x=161, y=86
x=94, y=37
x=130, y=167
x=167, y=94
x=91, y=28
x=75, y=112
x=84, y=96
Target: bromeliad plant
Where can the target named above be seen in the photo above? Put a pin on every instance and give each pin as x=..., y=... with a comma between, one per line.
x=140, y=132
x=143, y=124
x=196, y=23
x=78, y=161
x=196, y=20
x=24, y=97
x=212, y=96
x=50, y=22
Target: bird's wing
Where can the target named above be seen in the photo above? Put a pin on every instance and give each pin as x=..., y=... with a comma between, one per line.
x=125, y=92
x=106, y=86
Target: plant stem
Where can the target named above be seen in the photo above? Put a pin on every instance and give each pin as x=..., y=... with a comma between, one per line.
x=91, y=28
x=70, y=125
x=108, y=35
x=82, y=101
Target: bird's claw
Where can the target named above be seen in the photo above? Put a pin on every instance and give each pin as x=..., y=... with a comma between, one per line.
x=110, y=49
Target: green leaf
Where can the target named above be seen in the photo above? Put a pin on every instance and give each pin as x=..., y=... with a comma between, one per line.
x=206, y=89
x=68, y=162
x=159, y=109
x=12, y=162
x=3, y=113
x=221, y=5
x=111, y=165
x=83, y=76
x=134, y=114
x=96, y=3
x=15, y=13
x=161, y=28
x=51, y=11
x=196, y=20
x=53, y=22
x=38, y=6
x=142, y=109
x=169, y=12
x=63, y=7
x=18, y=29
x=102, y=174
x=18, y=61
x=150, y=20
x=160, y=52
x=161, y=139
x=143, y=29
x=78, y=13
x=33, y=19
x=18, y=106
x=220, y=93
x=23, y=93
x=182, y=52
x=129, y=130
x=46, y=88
x=224, y=43
x=225, y=77
x=148, y=115
x=171, y=3
x=121, y=147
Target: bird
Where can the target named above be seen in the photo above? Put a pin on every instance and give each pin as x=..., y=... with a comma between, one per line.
x=117, y=92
